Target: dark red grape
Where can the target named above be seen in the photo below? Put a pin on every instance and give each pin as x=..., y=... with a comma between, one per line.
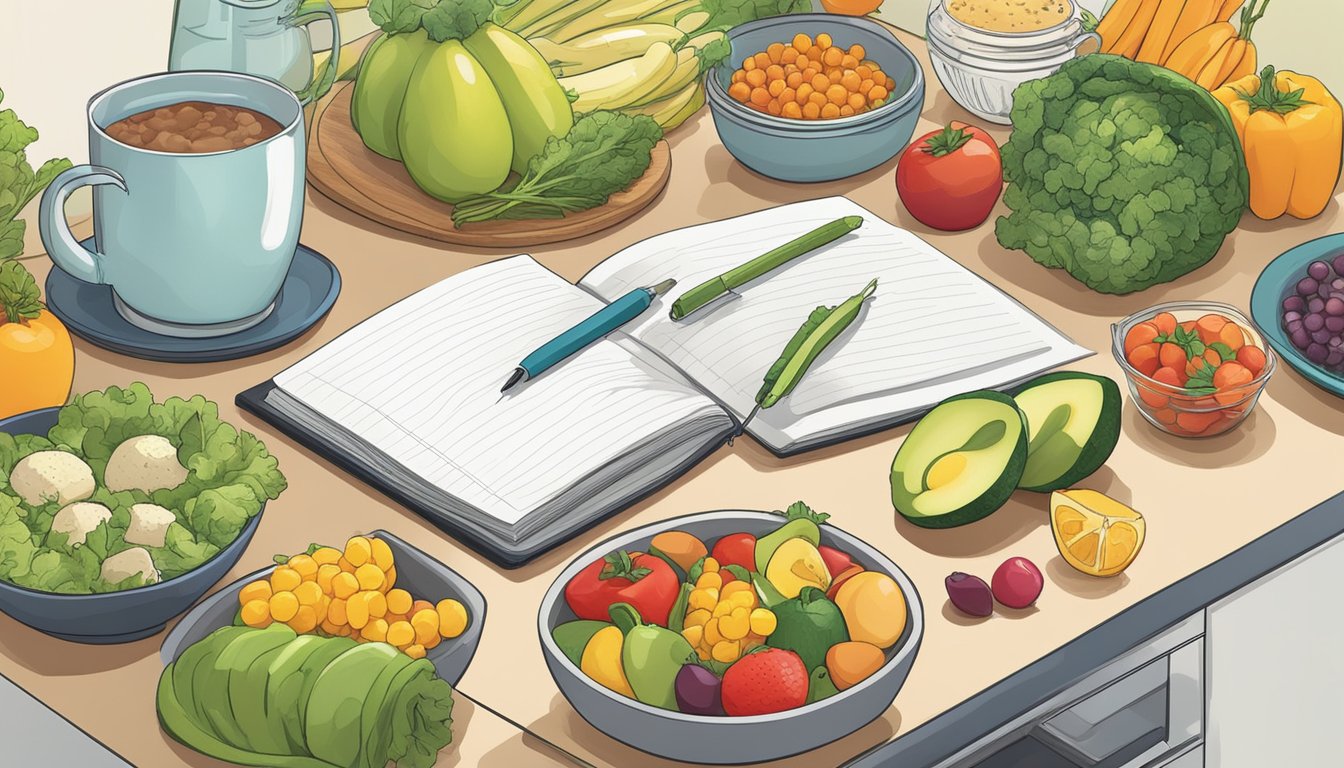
x=1318, y=270
x=970, y=594
x=1321, y=336
x=1294, y=326
x=1337, y=283
x=1335, y=341
x=1307, y=286
x=1334, y=324
x=1339, y=264
x=1300, y=338
x=1315, y=304
x=1314, y=322
x=1316, y=353
x=1017, y=582
x=1335, y=357
x=1334, y=307
x=1294, y=304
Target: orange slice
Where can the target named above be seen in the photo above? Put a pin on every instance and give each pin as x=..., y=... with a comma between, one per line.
x=1095, y=534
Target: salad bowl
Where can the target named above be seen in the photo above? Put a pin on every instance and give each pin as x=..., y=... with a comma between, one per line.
x=727, y=740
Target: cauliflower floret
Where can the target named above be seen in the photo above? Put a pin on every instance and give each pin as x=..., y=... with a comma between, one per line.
x=149, y=523
x=48, y=476
x=127, y=563
x=78, y=520
x=145, y=463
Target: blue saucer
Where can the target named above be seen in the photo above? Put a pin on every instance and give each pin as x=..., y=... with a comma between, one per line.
x=1273, y=286
x=89, y=311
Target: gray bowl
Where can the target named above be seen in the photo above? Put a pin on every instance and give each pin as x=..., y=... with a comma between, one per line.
x=417, y=573
x=729, y=740
x=112, y=617
x=817, y=150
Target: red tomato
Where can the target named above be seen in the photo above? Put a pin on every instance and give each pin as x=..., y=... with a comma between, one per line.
x=950, y=179
x=736, y=549
x=646, y=582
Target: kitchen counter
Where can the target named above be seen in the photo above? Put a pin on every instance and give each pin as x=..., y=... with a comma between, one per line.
x=1204, y=499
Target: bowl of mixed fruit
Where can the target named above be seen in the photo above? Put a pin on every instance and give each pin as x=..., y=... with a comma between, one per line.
x=1195, y=369
x=731, y=637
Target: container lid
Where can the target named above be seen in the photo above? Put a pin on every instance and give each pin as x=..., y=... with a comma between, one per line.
x=960, y=40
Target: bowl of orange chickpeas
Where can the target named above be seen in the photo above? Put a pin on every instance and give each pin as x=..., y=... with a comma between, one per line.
x=815, y=97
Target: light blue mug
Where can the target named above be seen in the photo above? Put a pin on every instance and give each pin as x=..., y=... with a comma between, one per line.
x=193, y=245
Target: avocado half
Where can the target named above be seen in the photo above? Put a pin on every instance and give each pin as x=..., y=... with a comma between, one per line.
x=1073, y=424
x=961, y=462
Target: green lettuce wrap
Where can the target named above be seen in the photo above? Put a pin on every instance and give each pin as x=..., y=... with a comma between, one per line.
x=271, y=698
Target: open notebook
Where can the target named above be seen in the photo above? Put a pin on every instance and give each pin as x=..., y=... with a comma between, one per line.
x=409, y=399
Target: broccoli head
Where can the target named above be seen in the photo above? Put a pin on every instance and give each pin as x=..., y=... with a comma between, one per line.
x=1124, y=174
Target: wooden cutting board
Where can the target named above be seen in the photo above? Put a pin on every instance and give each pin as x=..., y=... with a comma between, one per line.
x=360, y=180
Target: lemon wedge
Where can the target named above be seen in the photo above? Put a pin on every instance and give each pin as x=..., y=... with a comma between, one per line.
x=1095, y=534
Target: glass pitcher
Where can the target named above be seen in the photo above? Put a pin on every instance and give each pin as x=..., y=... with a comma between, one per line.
x=267, y=38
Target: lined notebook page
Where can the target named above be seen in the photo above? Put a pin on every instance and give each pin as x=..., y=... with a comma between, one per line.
x=933, y=327
x=420, y=382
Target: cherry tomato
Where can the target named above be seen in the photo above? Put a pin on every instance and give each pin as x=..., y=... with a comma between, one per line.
x=950, y=179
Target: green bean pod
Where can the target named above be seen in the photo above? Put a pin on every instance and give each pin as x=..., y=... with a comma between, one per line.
x=803, y=354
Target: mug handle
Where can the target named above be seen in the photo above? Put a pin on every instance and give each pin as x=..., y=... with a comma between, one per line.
x=57, y=238
x=307, y=13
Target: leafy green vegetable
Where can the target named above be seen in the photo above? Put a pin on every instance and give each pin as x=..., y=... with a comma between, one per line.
x=20, y=299
x=18, y=182
x=1124, y=174
x=230, y=475
x=399, y=16
x=456, y=19
x=726, y=14
x=602, y=154
x=800, y=511
x=317, y=702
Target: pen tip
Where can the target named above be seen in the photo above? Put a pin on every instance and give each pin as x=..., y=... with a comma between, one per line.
x=663, y=287
x=514, y=378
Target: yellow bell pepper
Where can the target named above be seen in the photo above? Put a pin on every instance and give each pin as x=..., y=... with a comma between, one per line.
x=1292, y=131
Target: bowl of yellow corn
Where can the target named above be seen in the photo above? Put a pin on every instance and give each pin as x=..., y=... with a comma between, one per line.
x=375, y=588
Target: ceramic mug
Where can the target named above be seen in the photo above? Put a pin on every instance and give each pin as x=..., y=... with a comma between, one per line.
x=192, y=244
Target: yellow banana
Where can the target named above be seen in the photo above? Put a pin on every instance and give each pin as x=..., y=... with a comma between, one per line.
x=687, y=71
x=623, y=83
x=692, y=21
x=663, y=110
x=668, y=13
x=564, y=13
x=605, y=46
x=609, y=14
x=687, y=110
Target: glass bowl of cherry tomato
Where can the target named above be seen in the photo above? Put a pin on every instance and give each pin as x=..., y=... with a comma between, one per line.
x=1195, y=369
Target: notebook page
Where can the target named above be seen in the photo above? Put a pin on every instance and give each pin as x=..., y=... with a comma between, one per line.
x=931, y=321
x=420, y=382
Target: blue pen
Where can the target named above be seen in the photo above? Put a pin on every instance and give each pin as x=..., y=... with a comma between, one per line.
x=602, y=322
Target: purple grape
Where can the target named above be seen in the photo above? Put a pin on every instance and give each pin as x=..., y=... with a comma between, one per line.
x=1314, y=322
x=1300, y=338
x=1316, y=353
x=1339, y=264
x=1316, y=304
x=1334, y=306
x=1294, y=326
x=1335, y=341
x=1289, y=317
x=1294, y=304
x=1321, y=336
x=1334, y=357
x=1307, y=286
x=1334, y=324
x=1318, y=270
x=1337, y=283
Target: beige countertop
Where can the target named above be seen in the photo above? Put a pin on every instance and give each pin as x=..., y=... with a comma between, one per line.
x=1202, y=498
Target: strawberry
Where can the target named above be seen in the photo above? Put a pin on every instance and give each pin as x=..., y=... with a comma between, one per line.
x=770, y=680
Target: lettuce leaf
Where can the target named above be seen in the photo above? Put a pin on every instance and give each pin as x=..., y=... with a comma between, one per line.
x=16, y=541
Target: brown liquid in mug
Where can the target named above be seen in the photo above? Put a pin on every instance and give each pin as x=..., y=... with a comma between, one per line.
x=193, y=127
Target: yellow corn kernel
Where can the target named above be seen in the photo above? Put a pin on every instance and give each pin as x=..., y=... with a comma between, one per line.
x=257, y=590
x=358, y=550
x=326, y=556
x=711, y=565
x=712, y=633
x=399, y=601
x=702, y=653
x=697, y=618
x=452, y=617
x=735, y=625
x=305, y=565
x=357, y=611
x=703, y=598
x=733, y=587
x=376, y=602
x=426, y=625
x=369, y=576
x=763, y=622
x=390, y=578
x=323, y=607
x=283, y=606
x=415, y=651
x=726, y=651
x=375, y=631
x=343, y=585
x=285, y=579
x=308, y=593
x=345, y=565
x=326, y=574
x=381, y=554
x=710, y=579
x=257, y=613
x=724, y=608
x=304, y=620
x=336, y=612
x=693, y=635
x=400, y=633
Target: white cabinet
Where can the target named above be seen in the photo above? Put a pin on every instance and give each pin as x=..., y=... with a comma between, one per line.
x=1275, y=669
